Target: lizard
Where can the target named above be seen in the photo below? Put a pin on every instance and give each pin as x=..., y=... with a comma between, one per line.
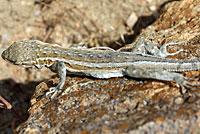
x=103, y=62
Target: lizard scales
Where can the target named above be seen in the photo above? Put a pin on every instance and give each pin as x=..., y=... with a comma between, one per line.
x=101, y=63
x=39, y=54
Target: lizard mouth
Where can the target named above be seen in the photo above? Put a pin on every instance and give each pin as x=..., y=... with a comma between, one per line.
x=3, y=55
x=7, y=56
x=11, y=61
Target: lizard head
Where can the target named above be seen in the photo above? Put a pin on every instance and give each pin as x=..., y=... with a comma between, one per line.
x=19, y=53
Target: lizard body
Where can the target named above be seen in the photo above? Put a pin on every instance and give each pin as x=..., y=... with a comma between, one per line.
x=99, y=62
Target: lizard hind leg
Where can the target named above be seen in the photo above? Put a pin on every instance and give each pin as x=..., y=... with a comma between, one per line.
x=163, y=49
x=159, y=74
x=143, y=46
x=162, y=52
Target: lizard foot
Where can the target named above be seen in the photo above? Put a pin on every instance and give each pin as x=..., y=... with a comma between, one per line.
x=183, y=83
x=162, y=52
x=163, y=49
x=53, y=91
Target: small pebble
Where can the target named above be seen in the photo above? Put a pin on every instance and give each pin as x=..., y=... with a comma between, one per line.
x=132, y=19
x=179, y=100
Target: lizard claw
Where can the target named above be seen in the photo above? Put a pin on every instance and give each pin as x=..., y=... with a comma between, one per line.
x=51, y=90
x=54, y=91
x=186, y=84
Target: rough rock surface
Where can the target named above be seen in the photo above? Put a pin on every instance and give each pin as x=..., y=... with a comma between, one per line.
x=64, y=22
x=101, y=106
x=122, y=104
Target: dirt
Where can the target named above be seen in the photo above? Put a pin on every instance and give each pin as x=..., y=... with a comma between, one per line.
x=91, y=23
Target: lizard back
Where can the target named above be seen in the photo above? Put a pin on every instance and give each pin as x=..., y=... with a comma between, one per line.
x=33, y=53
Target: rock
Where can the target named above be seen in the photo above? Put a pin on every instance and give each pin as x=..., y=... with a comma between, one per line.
x=97, y=106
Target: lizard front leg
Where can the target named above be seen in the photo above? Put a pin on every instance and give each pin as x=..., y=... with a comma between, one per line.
x=60, y=69
x=159, y=74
